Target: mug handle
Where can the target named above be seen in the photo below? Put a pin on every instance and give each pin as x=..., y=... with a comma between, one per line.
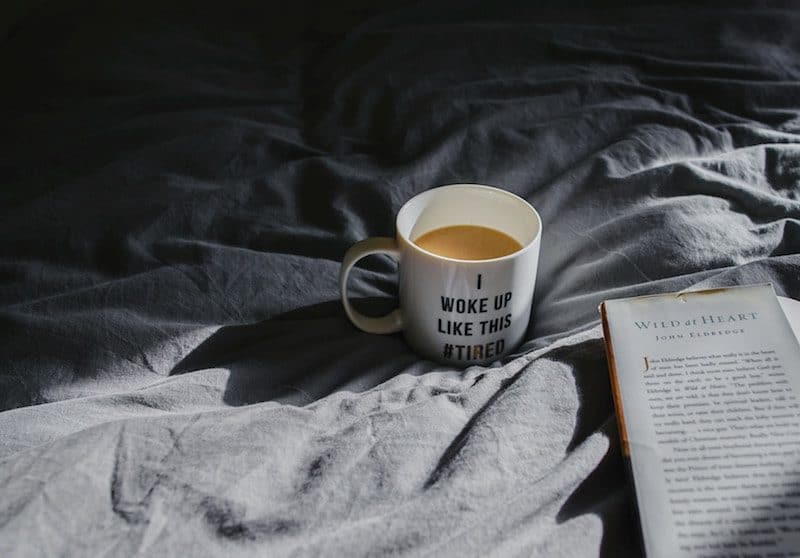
x=391, y=322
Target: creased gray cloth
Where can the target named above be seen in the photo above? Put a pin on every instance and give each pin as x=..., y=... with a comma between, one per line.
x=177, y=376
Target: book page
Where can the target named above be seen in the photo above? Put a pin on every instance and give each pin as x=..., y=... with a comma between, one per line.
x=791, y=308
x=710, y=391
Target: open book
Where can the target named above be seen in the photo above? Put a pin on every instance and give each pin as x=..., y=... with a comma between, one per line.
x=707, y=391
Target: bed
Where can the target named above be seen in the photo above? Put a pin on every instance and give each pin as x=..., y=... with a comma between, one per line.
x=177, y=375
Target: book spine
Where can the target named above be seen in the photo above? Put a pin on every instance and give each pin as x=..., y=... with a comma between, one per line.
x=623, y=431
x=615, y=391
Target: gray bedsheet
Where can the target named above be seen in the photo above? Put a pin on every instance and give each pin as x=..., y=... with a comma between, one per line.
x=177, y=376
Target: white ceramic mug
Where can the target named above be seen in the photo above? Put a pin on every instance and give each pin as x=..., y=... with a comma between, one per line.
x=456, y=311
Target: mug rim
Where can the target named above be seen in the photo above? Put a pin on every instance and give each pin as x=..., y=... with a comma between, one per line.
x=497, y=191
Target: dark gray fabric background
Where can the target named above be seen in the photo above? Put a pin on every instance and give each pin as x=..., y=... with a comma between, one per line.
x=178, y=187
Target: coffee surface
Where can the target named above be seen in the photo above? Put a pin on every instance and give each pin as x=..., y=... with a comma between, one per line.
x=468, y=242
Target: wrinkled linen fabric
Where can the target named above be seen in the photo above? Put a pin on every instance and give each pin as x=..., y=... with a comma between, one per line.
x=177, y=374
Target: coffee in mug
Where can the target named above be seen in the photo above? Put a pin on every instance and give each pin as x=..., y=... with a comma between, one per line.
x=468, y=256
x=468, y=242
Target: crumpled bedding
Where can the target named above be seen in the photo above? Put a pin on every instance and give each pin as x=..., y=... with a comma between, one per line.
x=177, y=374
